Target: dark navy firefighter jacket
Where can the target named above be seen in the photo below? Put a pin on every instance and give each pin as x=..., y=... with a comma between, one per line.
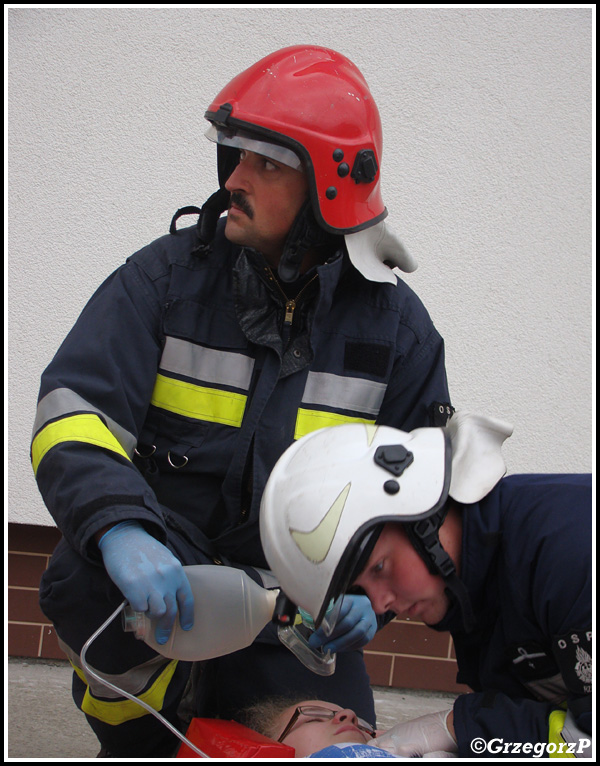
x=526, y=562
x=186, y=376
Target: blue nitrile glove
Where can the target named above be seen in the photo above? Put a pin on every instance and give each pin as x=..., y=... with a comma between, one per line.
x=148, y=575
x=356, y=626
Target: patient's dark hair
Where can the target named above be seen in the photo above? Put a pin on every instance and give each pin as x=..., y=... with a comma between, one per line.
x=262, y=715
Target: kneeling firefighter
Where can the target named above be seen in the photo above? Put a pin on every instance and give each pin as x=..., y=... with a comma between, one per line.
x=197, y=363
x=428, y=527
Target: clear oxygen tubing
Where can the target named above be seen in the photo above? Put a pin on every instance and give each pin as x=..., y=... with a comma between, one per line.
x=122, y=692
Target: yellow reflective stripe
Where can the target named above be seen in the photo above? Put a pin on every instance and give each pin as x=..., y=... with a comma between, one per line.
x=119, y=711
x=76, y=428
x=79, y=672
x=62, y=402
x=198, y=402
x=556, y=721
x=311, y=420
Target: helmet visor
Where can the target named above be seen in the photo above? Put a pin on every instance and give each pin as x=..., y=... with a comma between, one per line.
x=352, y=563
x=242, y=140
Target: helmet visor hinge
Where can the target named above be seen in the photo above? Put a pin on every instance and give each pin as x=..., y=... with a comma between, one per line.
x=222, y=114
x=285, y=610
x=365, y=167
x=394, y=458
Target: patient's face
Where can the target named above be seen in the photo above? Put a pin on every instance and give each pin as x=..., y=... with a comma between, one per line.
x=311, y=733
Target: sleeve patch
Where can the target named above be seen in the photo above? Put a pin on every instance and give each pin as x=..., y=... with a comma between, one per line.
x=573, y=653
x=440, y=413
x=371, y=358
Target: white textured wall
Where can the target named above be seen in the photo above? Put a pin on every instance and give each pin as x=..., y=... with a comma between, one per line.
x=487, y=175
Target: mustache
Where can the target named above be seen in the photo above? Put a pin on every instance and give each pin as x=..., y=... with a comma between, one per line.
x=238, y=199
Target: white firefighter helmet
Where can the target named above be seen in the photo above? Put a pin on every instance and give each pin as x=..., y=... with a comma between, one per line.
x=332, y=491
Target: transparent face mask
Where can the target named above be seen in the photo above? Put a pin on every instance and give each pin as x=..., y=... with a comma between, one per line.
x=241, y=140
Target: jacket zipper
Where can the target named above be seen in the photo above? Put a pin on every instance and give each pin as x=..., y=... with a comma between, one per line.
x=290, y=305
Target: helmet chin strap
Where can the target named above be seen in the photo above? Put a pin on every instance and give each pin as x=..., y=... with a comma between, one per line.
x=217, y=203
x=424, y=535
x=456, y=588
x=304, y=235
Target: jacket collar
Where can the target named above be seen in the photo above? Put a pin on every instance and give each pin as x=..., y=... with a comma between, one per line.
x=260, y=305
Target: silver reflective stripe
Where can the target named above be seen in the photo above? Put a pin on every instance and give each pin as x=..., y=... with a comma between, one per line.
x=63, y=401
x=355, y=394
x=133, y=681
x=223, y=368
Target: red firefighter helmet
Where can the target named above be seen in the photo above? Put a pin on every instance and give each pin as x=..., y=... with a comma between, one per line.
x=315, y=102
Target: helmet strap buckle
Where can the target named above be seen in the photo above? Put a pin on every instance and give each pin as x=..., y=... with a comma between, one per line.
x=424, y=535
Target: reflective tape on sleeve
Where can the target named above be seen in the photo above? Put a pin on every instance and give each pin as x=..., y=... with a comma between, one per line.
x=556, y=722
x=87, y=428
x=63, y=401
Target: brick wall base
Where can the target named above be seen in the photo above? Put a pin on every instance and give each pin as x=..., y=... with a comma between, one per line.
x=29, y=632
x=404, y=654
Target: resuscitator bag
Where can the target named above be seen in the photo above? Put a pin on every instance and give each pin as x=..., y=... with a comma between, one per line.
x=230, y=610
